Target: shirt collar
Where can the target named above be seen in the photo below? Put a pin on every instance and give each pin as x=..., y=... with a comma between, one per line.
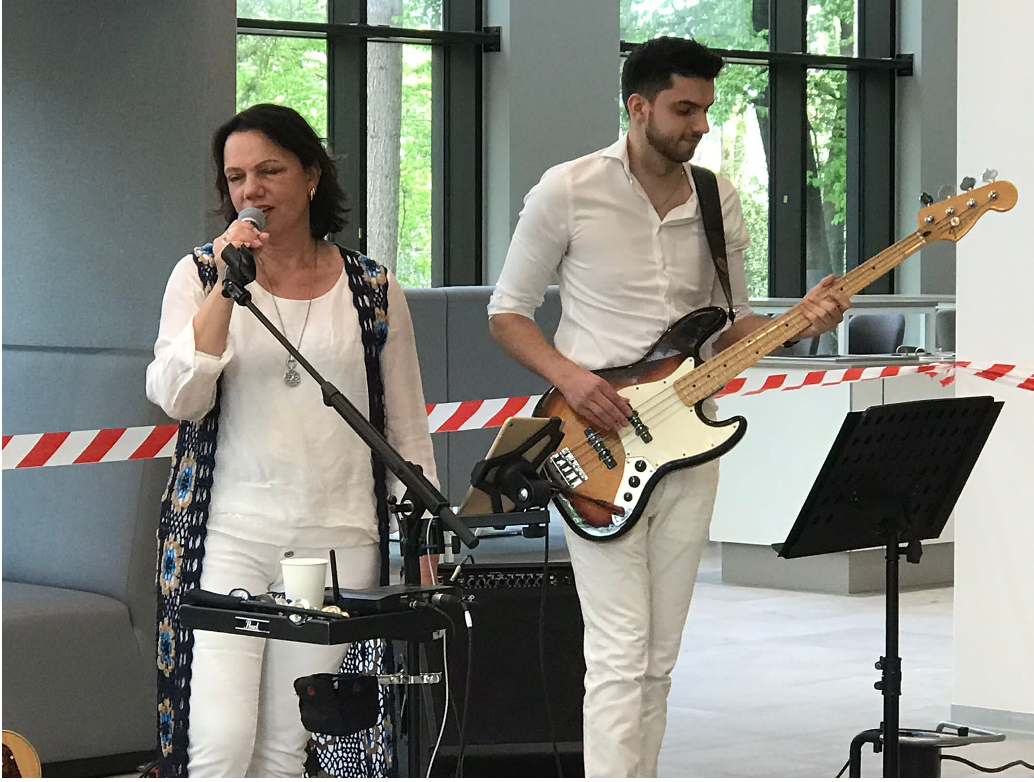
x=619, y=151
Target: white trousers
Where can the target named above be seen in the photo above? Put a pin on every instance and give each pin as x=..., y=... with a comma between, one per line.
x=634, y=593
x=244, y=718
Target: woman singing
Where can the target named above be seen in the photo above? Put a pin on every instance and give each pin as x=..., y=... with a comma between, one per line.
x=262, y=467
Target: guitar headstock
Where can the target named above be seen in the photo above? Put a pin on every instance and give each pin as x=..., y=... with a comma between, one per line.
x=952, y=218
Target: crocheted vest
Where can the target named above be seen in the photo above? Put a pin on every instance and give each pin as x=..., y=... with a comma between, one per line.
x=184, y=518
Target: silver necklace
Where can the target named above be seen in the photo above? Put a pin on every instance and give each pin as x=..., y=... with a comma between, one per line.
x=291, y=376
x=678, y=186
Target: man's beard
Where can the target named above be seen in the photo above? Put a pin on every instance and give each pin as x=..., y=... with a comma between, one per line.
x=667, y=146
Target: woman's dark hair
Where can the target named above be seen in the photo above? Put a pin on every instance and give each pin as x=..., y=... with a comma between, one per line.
x=287, y=129
x=650, y=66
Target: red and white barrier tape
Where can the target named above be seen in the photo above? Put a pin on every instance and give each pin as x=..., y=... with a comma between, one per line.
x=94, y=446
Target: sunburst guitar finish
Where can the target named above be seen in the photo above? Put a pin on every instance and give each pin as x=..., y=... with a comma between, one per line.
x=677, y=435
x=604, y=479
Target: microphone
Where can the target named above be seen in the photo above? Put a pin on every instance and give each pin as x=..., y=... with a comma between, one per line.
x=254, y=216
x=206, y=599
x=240, y=261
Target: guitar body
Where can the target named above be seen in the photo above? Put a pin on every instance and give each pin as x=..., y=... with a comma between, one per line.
x=605, y=479
x=20, y=759
x=680, y=435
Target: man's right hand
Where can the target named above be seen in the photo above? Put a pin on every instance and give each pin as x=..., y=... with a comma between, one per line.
x=594, y=399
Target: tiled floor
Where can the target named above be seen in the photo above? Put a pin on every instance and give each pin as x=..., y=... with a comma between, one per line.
x=776, y=684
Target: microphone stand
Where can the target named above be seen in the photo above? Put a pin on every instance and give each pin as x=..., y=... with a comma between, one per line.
x=421, y=495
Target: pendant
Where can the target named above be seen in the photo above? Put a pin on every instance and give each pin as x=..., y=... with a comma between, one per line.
x=291, y=376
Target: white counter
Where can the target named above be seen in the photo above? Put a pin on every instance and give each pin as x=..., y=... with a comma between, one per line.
x=920, y=313
x=766, y=478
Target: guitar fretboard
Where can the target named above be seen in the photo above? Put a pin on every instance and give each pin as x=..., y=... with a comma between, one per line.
x=712, y=375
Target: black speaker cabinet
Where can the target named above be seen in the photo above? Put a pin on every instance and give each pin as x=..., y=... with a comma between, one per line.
x=507, y=730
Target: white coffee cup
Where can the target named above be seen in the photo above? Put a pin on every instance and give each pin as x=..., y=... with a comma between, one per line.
x=304, y=578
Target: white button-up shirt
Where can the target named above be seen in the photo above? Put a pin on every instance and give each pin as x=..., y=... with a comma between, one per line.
x=625, y=274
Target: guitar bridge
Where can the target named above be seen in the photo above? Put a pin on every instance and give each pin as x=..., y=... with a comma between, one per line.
x=601, y=448
x=566, y=468
x=642, y=430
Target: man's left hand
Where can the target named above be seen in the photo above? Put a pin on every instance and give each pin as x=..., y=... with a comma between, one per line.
x=824, y=306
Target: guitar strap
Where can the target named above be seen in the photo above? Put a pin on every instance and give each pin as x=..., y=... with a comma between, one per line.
x=706, y=184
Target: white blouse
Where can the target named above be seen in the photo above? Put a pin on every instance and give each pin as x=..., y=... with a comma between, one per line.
x=625, y=274
x=288, y=469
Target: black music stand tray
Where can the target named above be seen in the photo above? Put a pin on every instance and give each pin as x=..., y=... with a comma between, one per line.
x=891, y=480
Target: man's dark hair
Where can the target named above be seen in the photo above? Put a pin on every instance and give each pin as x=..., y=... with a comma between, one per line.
x=287, y=129
x=650, y=66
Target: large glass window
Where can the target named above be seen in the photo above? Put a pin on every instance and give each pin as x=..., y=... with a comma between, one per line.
x=826, y=160
x=398, y=159
x=288, y=71
x=737, y=148
x=377, y=79
x=722, y=24
x=788, y=127
x=831, y=27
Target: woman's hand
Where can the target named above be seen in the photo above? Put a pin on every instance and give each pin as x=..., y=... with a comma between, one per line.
x=240, y=233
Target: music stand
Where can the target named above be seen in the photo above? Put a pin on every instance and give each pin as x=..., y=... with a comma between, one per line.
x=506, y=488
x=891, y=480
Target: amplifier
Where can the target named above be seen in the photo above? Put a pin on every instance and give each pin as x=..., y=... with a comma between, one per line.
x=506, y=720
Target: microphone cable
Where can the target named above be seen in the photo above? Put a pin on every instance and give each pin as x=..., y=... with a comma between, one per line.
x=542, y=656
x=985, y=769
x=445, y=703
x=450, y=697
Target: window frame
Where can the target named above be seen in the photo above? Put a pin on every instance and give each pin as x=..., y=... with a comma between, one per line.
x=871, y=102
x=457, y=248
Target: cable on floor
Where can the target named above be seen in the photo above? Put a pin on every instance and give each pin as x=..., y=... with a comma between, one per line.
x=985, y=769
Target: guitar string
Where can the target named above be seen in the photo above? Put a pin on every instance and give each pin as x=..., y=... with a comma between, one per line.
x=669, y=397
x=922, y=241
x=896, y=253
x=660, y=406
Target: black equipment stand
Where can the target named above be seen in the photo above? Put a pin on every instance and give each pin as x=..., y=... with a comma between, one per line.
x=421, y=495
x=891, y=480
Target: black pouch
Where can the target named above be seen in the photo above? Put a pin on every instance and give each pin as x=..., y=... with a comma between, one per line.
x=338, y=704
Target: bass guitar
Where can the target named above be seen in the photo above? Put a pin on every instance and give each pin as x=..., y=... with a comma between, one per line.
x=604, y=479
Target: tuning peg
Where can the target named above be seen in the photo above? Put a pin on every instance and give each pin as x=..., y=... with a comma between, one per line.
x=990, y=175
x=946, y=192
x=968, y=183
x=926, y=199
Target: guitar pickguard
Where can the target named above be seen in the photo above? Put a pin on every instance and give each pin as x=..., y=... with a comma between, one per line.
x=601, y=472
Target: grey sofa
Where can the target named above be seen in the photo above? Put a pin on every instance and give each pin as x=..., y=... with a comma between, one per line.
x=79, y=541
x=78, y=563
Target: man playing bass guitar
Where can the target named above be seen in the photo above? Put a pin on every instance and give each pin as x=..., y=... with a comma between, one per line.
x=623, y=229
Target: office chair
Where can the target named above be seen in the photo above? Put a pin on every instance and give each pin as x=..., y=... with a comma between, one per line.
x=876, y=333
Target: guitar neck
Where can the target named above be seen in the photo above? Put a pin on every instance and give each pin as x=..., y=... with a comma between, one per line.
x=712, y=375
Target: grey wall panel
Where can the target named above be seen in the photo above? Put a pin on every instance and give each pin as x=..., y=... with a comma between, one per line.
x=427, y=306
x=108, y=110
x=480, y=369
x=551, y=95
x=57, y=390
x=465, y=450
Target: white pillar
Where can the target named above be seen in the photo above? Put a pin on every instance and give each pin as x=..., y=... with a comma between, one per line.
x=994, y=532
